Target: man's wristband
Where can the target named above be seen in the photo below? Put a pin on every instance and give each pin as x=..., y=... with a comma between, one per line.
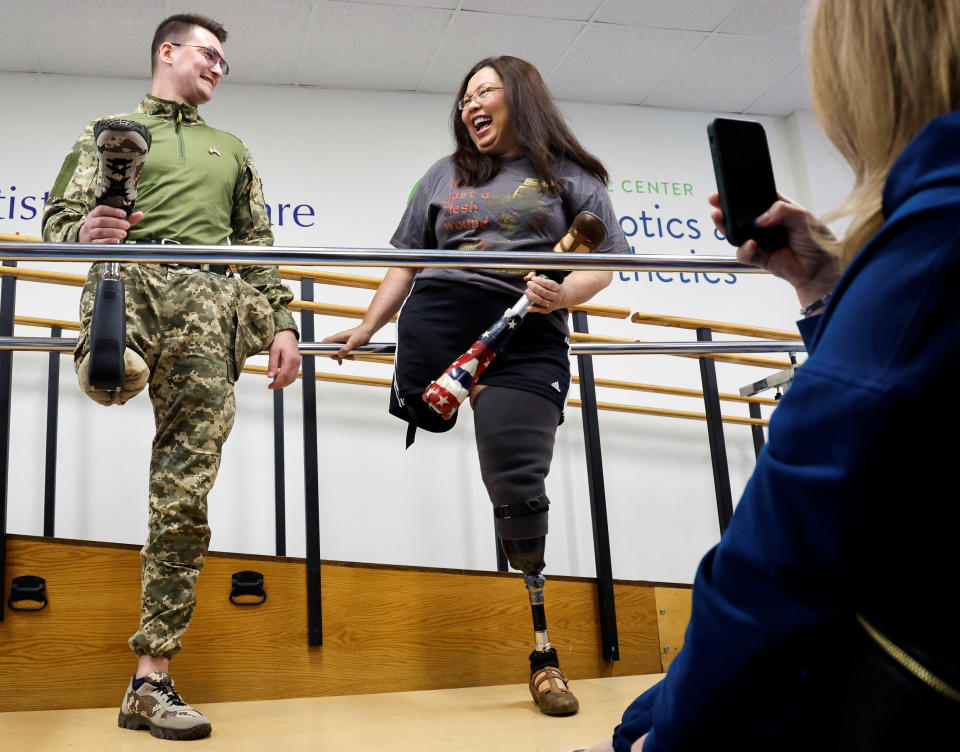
x=816, y=306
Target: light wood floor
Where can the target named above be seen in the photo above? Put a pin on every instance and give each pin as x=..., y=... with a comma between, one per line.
x=466, y=720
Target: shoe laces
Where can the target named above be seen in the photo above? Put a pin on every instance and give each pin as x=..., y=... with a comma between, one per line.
x=170, y=694
x=117, y=172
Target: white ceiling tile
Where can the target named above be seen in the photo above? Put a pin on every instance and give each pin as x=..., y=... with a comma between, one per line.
x=473, y=36
x=264, y=42
x=726, y=74
x=603, y=64
x=579, y=10
x=63, y=37
x=618, y=50
x=19, y=45
x=786, y=96
x=449, y=4
x=694, y=15
x=768, y=18
x=361, y=46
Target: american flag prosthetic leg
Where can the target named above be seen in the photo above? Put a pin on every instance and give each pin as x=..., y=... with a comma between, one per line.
x=448, y=392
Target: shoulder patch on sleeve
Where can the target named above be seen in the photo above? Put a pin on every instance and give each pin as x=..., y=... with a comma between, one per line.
x=66, y=172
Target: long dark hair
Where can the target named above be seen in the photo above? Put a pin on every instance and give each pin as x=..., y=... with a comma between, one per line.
x=542, y=135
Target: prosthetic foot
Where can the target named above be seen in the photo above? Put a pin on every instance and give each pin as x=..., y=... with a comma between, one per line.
x=123, y=147
x=135, y=377
x=548, y=684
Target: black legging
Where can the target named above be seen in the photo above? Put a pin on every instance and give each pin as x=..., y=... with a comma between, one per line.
x=515, y=432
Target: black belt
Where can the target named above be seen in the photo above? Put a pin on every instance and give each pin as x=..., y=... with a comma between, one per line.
x=215, y=268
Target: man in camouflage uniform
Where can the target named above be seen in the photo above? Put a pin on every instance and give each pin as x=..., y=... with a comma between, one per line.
x=189, y=330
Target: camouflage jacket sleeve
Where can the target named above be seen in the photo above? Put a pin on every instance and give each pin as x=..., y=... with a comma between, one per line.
x=251, y=226
x=71, y=197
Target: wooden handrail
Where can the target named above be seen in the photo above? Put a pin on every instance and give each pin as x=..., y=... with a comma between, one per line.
x=663, y=412
x=610, y=312
x=388, y=359
x=330, y=309
x=42, y=275
x=7, y=237
x=373, y=283
x=676, y=391
x=46, y=323
x=357, y=312
x=721, y=327
x=372, y=381
x=742, y=360
x=330, y=278
x=342, y=378
x=368, y=381
x=290, y=272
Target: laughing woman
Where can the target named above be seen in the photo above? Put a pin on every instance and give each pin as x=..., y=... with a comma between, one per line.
x=515, y=182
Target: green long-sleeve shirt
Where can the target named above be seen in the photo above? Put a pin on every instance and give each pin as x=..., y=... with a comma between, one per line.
x=199, y=186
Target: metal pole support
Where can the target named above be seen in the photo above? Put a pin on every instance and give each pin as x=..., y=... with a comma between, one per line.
x=50, y=465
x=609, y=640
x=8, y=293
x=311, y=474
x=718, y=448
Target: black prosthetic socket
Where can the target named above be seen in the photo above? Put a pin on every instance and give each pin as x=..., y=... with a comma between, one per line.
x=108, y=336
x=515, y=432
x=541, y=658
x=525, y=555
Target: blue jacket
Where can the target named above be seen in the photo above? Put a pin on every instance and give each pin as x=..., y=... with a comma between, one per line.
x=853, y=504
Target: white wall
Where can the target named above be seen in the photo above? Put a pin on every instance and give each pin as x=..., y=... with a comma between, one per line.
x=353, y=157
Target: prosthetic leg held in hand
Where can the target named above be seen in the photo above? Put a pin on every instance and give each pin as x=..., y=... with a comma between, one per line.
x=111, y=373
x=515, y=433
x=448, y=392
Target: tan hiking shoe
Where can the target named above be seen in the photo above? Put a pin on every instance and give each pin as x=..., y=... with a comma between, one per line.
x=549, y=689
x=153, y=703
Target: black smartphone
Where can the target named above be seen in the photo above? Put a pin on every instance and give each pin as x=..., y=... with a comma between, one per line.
x=741, y=162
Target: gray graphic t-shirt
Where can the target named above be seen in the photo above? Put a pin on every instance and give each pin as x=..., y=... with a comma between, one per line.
x=513, y=212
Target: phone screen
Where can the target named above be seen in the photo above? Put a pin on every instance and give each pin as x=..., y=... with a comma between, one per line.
x=741, y=162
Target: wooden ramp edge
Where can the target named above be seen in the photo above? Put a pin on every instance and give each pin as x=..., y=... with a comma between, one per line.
x=385, y=629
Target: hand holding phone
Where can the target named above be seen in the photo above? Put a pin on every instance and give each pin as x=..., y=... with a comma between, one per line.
x=741, y=163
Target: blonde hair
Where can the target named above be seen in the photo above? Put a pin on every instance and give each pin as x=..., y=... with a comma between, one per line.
x=879, y=71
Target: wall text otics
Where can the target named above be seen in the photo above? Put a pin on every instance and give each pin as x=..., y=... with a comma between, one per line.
x=642, y=228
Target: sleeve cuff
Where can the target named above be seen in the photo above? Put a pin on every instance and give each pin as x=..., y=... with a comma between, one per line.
x=284, y=320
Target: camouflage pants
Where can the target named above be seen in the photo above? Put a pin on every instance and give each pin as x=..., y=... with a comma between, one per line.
x=183, y=323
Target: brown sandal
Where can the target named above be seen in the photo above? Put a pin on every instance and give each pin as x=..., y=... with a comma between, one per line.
x=550, y=692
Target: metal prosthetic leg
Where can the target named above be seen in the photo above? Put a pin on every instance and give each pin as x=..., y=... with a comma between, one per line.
x=548, y=684
x=122, y=146
x=515, y=432
x=527, y=556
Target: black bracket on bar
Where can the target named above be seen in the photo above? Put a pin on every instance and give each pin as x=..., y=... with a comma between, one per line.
x=247, y=584
x=609, y=639
x=27, y=587
x=780, y=380
x=758, y=437
x=311, y=473
x=718, y=448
